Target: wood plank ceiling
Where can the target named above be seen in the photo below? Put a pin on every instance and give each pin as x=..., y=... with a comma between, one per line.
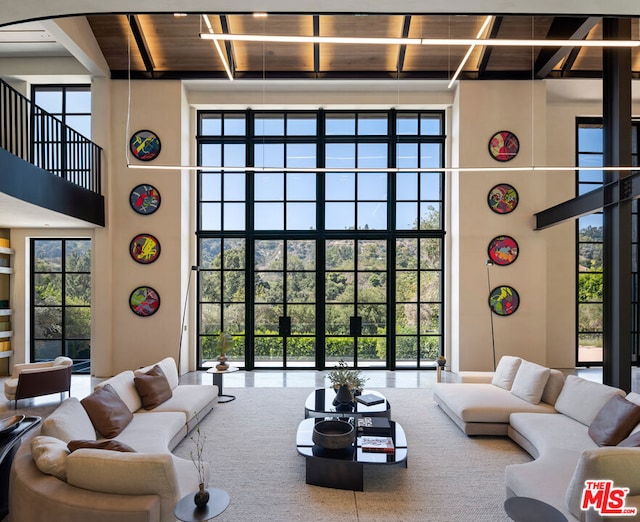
x=168, y=46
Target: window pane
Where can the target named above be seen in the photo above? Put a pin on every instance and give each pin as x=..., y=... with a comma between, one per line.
x=301, y=216
x=372, y=155
x=340, y=216
x=429, y=216
x=340, y=155
x=211, y=155
x=430, y=125
x=80, y=124
x=407, y=123
x=406, y=186
x=47, y=322
x=407, y=155
x=211, y=124
x=269, y=216
x=235, y=125
x=48, y=254
x=77, y=322
x=301, y=186
x=406, y=253
x=340, y=186
x=78, y=101
x=78, y=255
x=78, y=289
x=234, y=186
x=50, y=101
x=269, y=186
x=592, y=220
x=372, y=185
x=234, y=218
x=406, y=216
x=430, y=155
x=211, y=189
x=340, y=124
x=373, y=124
x=234, y=155
x=430, y=186
x=210, y=216
x=269, y=155
x=430, y=253
x=301, y=155
x=301, y=124
x=590, y=139
x=340, y=255
x=372, y=216
x=269, y=124
x=47, y=289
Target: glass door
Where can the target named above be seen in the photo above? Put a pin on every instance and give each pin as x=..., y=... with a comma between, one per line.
x=284, y=303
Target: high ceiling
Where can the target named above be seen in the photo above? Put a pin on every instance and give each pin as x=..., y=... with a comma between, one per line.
x=169, y=46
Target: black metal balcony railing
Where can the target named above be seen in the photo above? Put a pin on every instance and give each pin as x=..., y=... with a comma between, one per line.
x=34, y=135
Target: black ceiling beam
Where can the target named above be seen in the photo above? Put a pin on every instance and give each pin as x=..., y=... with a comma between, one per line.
x=141, y=43
x=403, y=48
x=227, y=45
x=486, y=54
x=316, y=46
x=567, y=66
x=562, y=28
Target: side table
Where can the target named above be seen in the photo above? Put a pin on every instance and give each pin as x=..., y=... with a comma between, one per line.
x=186, y=510
x=217, y=381
x=525, y=509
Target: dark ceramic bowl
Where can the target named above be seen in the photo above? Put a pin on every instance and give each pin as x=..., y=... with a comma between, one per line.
x=333, y=434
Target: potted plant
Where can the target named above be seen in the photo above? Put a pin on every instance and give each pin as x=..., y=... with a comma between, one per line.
x=346, y=381
x=201, y=497
x=225, y=344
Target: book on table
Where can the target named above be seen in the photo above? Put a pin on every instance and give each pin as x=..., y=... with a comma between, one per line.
x=369, y=399
x=377, y=444
x=379, y=426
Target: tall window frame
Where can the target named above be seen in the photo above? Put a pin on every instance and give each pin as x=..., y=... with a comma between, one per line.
x=402, y=211
x=60, y=291
x=589, y=246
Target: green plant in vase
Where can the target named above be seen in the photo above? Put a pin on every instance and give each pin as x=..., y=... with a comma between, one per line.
x=225, y=345
x=346, y=381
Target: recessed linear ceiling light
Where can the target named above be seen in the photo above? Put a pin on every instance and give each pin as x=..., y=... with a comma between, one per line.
x=486, y=23
x=223, y=59
x=443, y=42
x=378, y=169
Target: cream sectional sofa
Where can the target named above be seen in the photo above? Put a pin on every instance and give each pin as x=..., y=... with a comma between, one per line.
x=49, y=483
x=557, y=435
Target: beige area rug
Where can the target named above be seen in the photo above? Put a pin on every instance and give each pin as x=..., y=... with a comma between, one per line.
x=450, y=477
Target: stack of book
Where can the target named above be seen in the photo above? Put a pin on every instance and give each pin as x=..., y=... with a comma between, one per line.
x=377, y=444
x=369, y=399
x=379, y=426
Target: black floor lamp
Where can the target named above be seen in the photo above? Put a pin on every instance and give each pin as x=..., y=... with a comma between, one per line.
x=184, y=312
x=489, y=263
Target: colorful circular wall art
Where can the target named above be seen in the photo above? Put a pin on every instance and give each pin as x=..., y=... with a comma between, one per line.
x=144, y=301
x=144, y=199
x=503, y=250
x=144, y=249
x=145, y=145
x=504, y=300
x=503, y=198
x=504, y=146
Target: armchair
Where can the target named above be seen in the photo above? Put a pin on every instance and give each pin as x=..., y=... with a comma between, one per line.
x=41, y=378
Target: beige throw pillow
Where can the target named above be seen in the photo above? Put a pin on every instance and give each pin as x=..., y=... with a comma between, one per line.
x=506, y=371
x=530, y=381
x=50, y=456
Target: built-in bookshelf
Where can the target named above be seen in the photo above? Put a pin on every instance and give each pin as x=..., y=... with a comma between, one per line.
x=6, y=331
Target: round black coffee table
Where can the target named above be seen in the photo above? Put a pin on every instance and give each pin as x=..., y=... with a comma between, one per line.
x=525, y=509
x=185, y=509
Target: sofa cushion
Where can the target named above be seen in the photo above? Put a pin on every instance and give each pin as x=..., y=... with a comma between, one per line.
x=154, y=432
x=112, y=445
x=614, y=421
x=124, y=386
x=545, y=431
x=632, y=441
x=192, y=399
x=169, y=368
x=69, y=421
x=107, y=411
x=553, y=387
x=530, y=381
x=153, y=387
x=506, y=371
x=50, y=455
x=581, y=399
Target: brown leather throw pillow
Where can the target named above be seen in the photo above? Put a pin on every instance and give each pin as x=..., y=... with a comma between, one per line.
x=153, y=388
x=113, y=445
x=107, y=411
x=614, y=421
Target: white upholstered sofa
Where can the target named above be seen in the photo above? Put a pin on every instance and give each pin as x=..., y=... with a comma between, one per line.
x=558, y=425
x=48, y=482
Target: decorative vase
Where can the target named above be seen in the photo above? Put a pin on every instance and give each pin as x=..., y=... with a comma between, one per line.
x=442, y=362
x=201, y=498
x=343, y=396
x=222, y=362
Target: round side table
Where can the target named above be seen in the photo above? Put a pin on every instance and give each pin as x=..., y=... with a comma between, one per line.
x=186, y=510
x=525, y=509
x=217, y=381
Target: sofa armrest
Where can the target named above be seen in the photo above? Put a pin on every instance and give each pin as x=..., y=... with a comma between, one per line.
x=21, y=367
x=126, y=474
x=475, y=377
x=622, y=465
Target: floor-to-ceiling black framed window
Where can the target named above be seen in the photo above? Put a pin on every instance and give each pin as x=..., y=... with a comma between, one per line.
x=324, y=243
x=589, y=239
x=61, y=300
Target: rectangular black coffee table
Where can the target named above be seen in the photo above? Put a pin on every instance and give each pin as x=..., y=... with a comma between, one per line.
x=344, y=469
x=319, y=403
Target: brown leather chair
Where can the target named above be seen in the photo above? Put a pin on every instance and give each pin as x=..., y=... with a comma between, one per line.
x=36, y=379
